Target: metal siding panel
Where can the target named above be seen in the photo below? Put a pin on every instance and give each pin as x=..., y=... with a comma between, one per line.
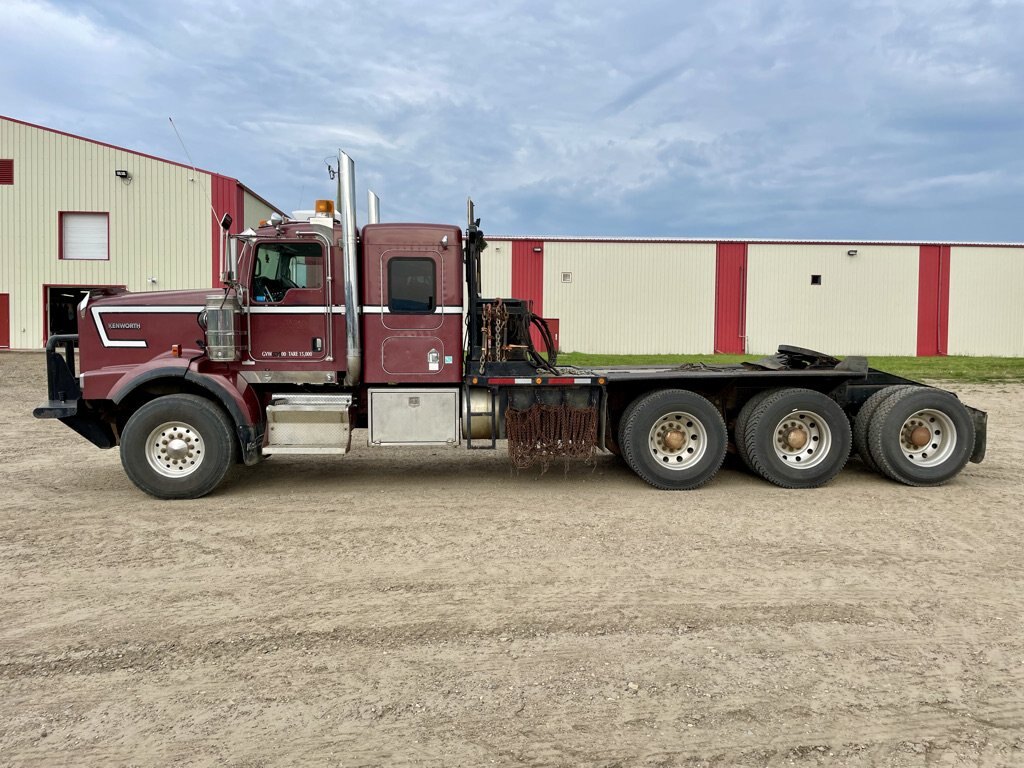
x=933, y=301
x=986, y=315
x=866, y=304
x=730, y=297
x=496, y=269
x=528, y=273
x=5, y=321
x=223, y=196
x=254, y=211
x=632, y=298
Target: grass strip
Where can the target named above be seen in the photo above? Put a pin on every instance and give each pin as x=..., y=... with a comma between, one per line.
x=955, y=368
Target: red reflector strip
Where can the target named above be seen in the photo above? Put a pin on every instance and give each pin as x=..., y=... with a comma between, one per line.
x=501, y=381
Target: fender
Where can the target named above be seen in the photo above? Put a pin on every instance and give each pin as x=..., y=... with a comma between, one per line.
x=127, y=382
x=238, y=399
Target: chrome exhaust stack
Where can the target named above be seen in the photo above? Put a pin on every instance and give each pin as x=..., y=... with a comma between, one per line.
x=347, y=208
x=373, y=206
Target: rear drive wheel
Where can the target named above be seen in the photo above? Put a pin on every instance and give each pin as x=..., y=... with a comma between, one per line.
x=921, y=436
x=862, y=423
x=797, y=438
x=741, y=423
x=674, y=439
x=178, y=447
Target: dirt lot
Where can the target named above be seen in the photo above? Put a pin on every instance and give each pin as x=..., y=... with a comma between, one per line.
x=430, y=607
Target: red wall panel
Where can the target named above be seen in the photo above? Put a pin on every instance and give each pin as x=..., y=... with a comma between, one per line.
x=528, y=273
x=730, y=298
x=227, y=197
x=5, y=321
x=933, y=301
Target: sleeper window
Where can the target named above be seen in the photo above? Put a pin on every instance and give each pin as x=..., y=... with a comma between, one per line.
x=412, y=285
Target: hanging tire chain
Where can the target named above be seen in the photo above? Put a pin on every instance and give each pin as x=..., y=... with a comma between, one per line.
x=495, y=333
x=541, y=433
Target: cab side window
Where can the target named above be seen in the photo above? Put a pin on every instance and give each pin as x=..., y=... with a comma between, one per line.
x=412, y=285
x=280, y=267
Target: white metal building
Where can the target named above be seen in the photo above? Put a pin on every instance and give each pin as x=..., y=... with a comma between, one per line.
x=665, y=296
x=77, y=213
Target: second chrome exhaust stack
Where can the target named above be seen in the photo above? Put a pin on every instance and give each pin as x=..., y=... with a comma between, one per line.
x=347, y=208
x=373, y=207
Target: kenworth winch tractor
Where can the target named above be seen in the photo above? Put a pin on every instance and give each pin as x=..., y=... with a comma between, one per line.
x=322, y=328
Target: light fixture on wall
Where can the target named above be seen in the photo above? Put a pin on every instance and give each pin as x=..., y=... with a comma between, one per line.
x=538, y=249
x=852, y=252
x=123, y=175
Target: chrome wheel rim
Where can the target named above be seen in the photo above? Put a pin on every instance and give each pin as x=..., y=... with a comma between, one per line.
x=802, y=439
x=678, y=440
x=175, y=449
x=928, y=437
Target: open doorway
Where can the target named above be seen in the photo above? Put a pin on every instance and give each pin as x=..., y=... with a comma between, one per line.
x=61, y=308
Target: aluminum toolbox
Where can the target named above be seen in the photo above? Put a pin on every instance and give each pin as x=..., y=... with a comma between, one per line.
x=414, y=416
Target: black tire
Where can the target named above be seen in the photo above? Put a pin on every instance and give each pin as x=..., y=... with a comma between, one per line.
x=657, y=419
x=941, y=457
x=741, y=423
x=193, y=446
x=811, y=416
x=862, y=423
x=621, y=434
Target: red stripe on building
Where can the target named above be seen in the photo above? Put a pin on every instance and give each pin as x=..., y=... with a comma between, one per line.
x=528, y=273
x=730, y=298
x=933, y=301
x=5, y=321
x=228, y=197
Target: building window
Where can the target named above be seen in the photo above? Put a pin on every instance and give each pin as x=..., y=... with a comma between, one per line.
x=84, y=236
x=412, y=286
x=6, y=172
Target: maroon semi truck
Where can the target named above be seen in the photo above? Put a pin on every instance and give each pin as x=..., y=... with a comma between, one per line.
x=322, y=328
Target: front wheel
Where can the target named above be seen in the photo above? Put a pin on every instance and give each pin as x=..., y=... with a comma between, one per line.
x=178, y=447
x=674, y=439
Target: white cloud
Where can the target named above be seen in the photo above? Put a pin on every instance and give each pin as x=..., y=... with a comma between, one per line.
x=795, y=118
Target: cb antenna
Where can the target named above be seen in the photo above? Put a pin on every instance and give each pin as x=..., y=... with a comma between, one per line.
x=224, y=221
x=194, y=171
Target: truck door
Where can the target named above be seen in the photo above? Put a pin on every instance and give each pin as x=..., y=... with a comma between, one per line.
x=289, y=308
x=419, y=321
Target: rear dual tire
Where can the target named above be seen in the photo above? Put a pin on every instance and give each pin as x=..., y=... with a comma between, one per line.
x=862, y=423
x=673, y=439
x=920, y=436
x=794, y=438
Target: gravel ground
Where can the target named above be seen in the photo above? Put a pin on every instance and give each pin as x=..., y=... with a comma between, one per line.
x=431, y=607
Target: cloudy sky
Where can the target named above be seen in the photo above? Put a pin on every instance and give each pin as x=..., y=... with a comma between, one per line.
x=740, y=118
